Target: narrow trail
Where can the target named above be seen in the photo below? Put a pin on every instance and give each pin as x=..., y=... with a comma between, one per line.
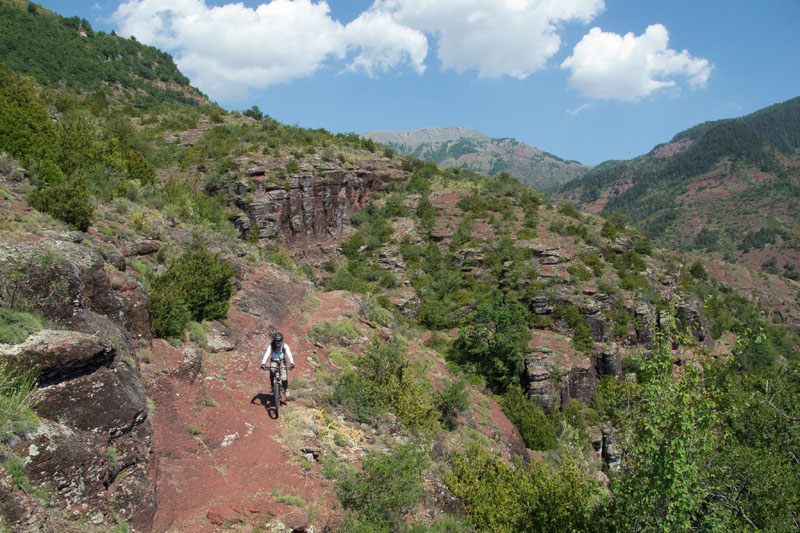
x=220, y=461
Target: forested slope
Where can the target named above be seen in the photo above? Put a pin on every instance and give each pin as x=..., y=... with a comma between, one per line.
x=717, y=187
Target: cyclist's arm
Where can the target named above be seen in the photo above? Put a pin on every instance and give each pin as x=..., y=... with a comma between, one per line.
x=267, y=354
x=289, y=357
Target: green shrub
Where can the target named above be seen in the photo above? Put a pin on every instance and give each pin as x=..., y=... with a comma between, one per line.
x=698, y=271
x=197, y=333
x=66, y=198
x=198, y=286
x=533, y=425
x=26, y=130
x=353, y=394
x=293, y=167
x=579, y=272
x=385, y=380
x=493, y=342
x=388, y=486
x=532, y=498
x=168, y=315
x=582, y=337
x=569, y=210
x=330, y=466
x=452, y=400
x=342, y=333
x=16, y=326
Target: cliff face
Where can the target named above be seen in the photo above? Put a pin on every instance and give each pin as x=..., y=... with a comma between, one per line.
x=312, y=204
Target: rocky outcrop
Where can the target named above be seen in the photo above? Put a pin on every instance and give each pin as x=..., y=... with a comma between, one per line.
x=608, y=362
x=92, y=448
x=553, y=377
x=579, y=383
x=315, y=205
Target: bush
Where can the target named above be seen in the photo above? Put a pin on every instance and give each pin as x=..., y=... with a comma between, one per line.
x=353, y=393
x=533, y=425
x=582, y=338
x=492, y=344
x=16, y=326
x=698, y=271
x=531, y=498
x=388, y=486
x=293, y=167
x=384, y=380
x=198, y=286
x=452, y=400
x=66, y=198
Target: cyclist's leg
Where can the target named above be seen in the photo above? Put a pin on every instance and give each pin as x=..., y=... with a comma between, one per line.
x=273, y=367
x=285, y=379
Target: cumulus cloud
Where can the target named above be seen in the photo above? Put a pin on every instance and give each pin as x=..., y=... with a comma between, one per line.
x=495, y=37
x=383, y=43
x=606, y=65
x=230, y=48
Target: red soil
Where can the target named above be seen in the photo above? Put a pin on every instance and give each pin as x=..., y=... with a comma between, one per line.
x=218, y=465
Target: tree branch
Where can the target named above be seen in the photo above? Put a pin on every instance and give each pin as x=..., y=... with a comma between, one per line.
x=768, y=401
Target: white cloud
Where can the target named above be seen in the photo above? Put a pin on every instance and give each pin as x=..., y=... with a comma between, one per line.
x=229, y=49
x=580, y=109
x=384, y=43
x=495, y=37
x=606, y=65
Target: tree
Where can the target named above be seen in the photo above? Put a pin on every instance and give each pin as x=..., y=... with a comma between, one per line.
x=492, y=344
x=26, y=131
x=663, y=482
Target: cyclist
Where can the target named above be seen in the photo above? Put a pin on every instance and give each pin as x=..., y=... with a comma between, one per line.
x=278, y=354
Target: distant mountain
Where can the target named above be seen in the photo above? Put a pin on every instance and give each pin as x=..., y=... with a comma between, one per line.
x=67, y=53
x=729, y=187
x=476, y=151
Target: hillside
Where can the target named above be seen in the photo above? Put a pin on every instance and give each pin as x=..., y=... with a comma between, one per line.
x=470, y=356
x=728, y=188
x=475, y=151
x=67, y=53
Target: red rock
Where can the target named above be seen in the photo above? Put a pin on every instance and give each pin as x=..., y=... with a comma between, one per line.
x=223, y=514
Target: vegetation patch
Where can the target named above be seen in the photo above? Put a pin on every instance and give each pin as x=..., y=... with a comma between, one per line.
x=198, y=286
x=16, y=326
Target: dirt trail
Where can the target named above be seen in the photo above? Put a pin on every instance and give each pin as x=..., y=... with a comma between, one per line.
x=216, y=438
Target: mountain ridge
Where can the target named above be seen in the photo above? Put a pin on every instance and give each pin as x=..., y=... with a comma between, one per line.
x=734, y=179
x=414, y=138
x=473, y=150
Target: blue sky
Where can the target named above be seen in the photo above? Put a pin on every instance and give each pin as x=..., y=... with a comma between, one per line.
x=588, y=80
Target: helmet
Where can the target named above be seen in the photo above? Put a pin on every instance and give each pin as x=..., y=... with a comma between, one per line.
x=277, y=339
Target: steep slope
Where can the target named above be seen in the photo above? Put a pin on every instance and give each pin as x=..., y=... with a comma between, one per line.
x=475, y=151
x=67, y=52
x=730, y=188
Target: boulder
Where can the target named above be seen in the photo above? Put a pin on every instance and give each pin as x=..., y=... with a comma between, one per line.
x=62, y=355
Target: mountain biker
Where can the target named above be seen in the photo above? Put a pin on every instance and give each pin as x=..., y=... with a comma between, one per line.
x=278, y=354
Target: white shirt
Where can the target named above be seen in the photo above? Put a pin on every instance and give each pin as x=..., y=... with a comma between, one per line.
x=286, y=351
